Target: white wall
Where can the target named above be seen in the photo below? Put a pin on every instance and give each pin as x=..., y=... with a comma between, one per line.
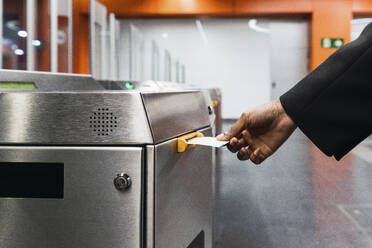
x=236, y=59
x=357, y=26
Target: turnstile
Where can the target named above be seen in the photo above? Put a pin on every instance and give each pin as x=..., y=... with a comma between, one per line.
x=100, y=168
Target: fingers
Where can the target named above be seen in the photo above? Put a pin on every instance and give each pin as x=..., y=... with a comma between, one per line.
x=235, y=144
x=257, y=156
x=245, y=153
x=235, y=130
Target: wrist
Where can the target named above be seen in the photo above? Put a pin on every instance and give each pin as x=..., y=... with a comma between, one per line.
x=283, y=116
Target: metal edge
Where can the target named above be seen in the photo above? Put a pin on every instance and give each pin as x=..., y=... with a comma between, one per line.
x=150, y=197
x=185, y=91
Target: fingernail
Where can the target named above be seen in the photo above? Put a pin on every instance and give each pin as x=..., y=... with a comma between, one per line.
x=221, y=135
x=256, y=152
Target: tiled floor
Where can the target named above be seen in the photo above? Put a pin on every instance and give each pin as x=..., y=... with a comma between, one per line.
x=297, y=198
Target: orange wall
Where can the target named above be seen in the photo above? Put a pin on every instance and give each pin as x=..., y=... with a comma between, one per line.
x=81, y=38
x=329, y=18
x=272, y=7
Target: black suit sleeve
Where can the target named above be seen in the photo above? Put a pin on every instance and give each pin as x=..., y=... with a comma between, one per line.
x=333, y=104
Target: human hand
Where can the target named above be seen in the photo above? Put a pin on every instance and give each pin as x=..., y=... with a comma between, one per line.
x=259, y=132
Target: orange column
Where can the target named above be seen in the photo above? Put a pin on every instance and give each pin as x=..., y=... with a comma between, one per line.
x=80, y=37
x=330, y=19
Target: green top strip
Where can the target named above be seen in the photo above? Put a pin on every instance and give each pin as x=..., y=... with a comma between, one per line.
x=18, y=85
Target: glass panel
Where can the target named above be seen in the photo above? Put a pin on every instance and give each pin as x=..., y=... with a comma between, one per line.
x=167, y=66
x=99, y=39
x=15, y=34
x=41, y=42
x=63, y=35
x=136, y=53
x=155, y=61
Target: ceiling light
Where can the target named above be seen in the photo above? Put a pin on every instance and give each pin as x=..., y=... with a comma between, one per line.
x=36, y=43
x=19, y=52
x=164, y=35
x=22, y=33
x=253, y=25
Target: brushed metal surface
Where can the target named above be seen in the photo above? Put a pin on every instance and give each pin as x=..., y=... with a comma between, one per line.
x=51, y=81
x=142, y=86
x=183, y=194
x=68, y=118
x=171, y=114
x=93, y=212
x=150, y=195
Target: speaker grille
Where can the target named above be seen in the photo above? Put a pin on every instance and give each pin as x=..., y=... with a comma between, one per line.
x=103, y=122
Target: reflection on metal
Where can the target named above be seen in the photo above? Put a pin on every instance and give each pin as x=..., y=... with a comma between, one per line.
x=150, y=196
x=30, y=17
x=53, y=10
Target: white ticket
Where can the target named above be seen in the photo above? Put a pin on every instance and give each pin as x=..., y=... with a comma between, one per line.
x=207, y=141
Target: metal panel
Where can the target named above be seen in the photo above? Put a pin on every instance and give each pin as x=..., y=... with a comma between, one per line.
x=150, y=195
x=175, y=113
x=52, y=81
x=92, y=214
x=183, y=191
x=73, y=118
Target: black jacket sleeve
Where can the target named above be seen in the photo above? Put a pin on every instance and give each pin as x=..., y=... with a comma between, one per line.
x=333, y=104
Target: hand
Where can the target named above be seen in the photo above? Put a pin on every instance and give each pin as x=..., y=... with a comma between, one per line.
x=259, y=132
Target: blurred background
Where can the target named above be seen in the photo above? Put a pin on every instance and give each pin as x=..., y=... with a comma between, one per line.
x=253, y=51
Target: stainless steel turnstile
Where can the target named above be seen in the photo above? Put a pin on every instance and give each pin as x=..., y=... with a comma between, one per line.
x=100, y=168
x=213, y=96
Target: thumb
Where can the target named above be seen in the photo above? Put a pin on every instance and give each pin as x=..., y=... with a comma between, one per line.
x=235, y=130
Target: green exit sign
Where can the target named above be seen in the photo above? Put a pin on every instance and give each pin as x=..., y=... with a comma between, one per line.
x=332, y=42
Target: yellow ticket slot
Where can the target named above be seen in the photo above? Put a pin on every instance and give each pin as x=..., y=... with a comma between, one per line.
x=182, y=141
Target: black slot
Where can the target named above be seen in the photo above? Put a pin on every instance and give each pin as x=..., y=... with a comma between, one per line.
x=31, y=180
x=198, y=242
